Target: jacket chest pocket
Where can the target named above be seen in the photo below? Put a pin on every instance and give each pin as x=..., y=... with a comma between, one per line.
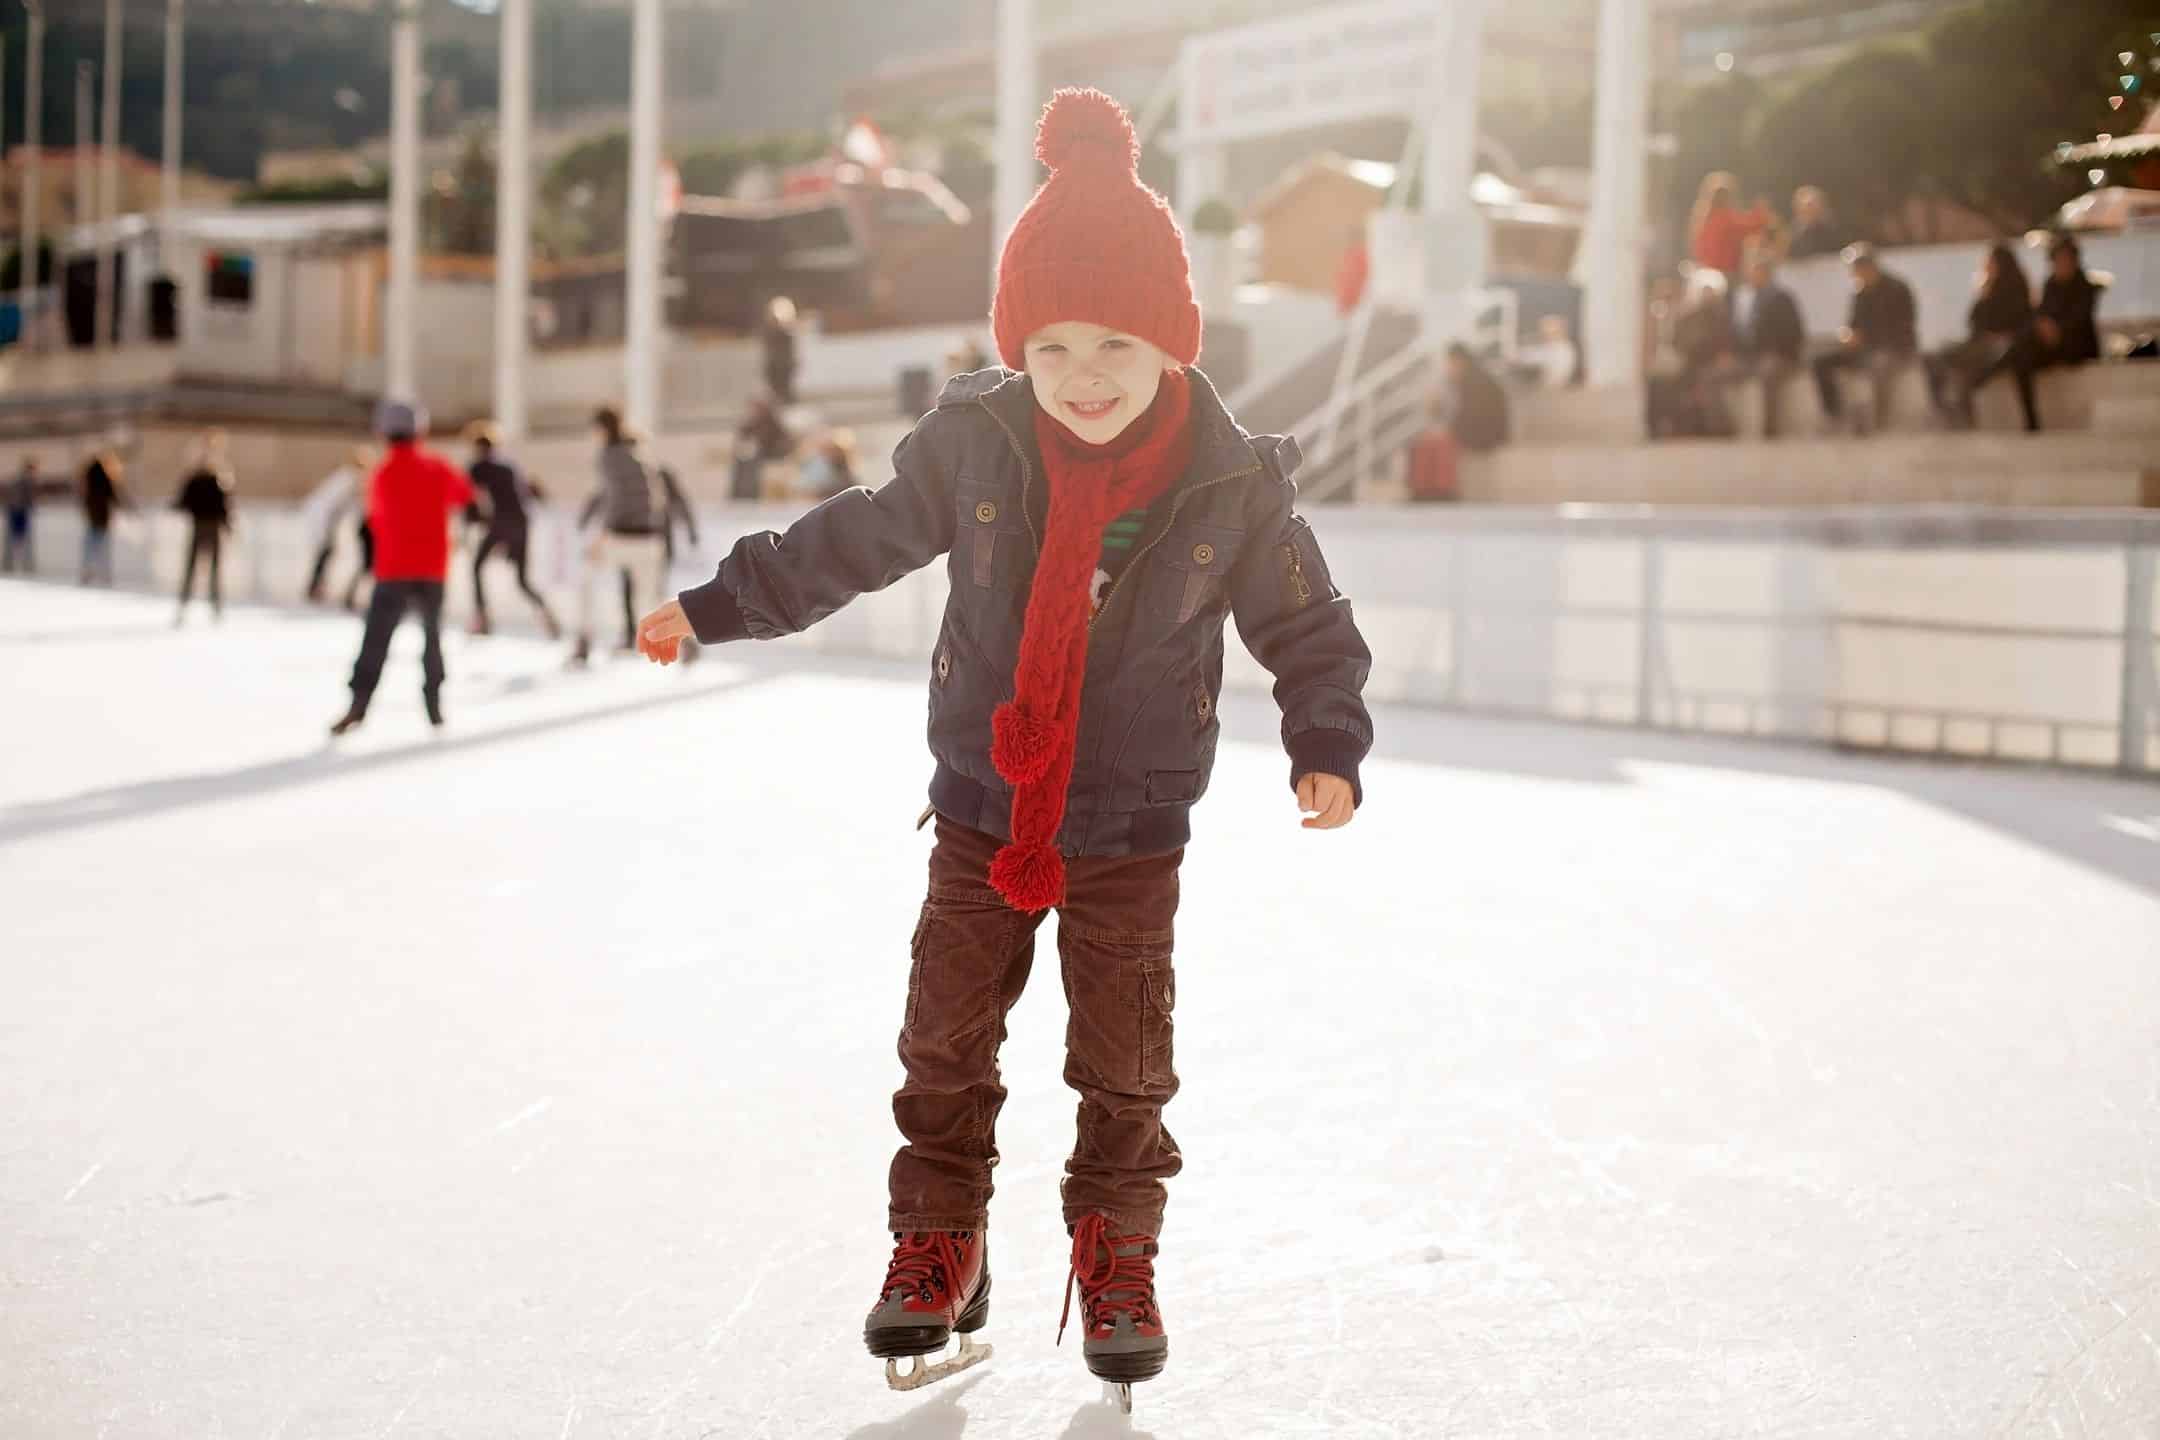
x=1191, y=567
x=990, y=537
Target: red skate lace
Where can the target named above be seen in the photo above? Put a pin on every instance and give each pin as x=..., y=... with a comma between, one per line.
x=1110, y=1284
x=924, y=1259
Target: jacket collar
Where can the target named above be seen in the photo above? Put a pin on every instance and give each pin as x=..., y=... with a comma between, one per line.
x=1220, y=447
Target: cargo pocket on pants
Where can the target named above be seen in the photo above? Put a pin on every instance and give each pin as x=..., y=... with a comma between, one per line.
x=917, y=944
x=1157, y=996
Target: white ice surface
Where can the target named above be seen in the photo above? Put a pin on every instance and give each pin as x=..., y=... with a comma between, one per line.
x=533, y=1080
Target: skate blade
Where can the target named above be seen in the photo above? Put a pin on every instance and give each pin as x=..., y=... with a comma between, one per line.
x=966, y=1357
x=1119, y=1394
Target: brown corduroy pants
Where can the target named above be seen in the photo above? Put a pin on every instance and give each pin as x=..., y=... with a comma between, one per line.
x=972, y=954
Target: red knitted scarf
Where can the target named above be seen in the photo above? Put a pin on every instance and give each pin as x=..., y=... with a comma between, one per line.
x=1033, y=734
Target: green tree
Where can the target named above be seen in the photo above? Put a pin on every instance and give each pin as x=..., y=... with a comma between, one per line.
x=1712, y=126
x=2009, y=117
x=713, y=167
x=461, y=214
x=1867, y=130
x=584, y=198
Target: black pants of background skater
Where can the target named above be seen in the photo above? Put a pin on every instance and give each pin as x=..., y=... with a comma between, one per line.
x=513, y=545
x=207, y=543
x=386, y=607
x=972, y=954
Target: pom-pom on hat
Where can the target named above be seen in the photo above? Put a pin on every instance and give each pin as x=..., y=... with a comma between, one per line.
x=1094, y=245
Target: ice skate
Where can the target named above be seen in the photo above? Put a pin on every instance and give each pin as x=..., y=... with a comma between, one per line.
x=1121, y=1327
x=937, y=1286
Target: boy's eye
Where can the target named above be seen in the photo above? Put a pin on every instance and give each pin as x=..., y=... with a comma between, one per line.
x=1116, y=344
x=1049, y=350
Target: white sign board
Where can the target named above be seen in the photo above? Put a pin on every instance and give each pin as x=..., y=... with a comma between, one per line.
x=1341, y=62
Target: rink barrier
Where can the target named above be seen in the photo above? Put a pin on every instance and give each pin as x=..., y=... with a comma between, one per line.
x=1973, y=632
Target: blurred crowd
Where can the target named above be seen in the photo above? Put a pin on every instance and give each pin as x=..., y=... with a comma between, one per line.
x=1726, y=326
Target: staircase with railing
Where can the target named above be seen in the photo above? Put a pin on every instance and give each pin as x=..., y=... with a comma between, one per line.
x=1354, y=441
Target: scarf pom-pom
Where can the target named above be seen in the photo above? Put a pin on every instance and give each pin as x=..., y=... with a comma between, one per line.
x=1020, y=745
x=1030, y=877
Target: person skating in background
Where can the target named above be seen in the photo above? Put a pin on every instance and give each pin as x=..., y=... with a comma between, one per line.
x=760, y=438
x=506, y=498
x=623, y=527
x=206, y=499
x=364, y=572
x=411, y=497
x=103, y=493
x=339, y=498
x=679, y=516
x=23, y=492
x=1050, y=792
x=777, y=339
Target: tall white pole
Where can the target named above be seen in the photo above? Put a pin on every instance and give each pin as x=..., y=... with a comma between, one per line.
x=3, y=99
x=1019, y=105
x=108, y=269
x=85, y=208
x=169, y=190
x=1611, y=264
x=33, y=176
x=641, y=329
x=20, y=311
x=402, y=303
x=1456, y=247
x=513, y=228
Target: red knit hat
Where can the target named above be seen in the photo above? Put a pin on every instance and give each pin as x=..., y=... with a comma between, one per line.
x=1094, y=245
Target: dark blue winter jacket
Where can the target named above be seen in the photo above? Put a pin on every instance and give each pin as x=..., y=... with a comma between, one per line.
x=1225, y=541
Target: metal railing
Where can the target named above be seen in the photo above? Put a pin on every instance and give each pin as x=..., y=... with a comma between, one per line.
x=1383, y=410
x=1750, y=622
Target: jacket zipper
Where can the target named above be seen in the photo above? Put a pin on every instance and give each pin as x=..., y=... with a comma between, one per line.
x=1299, y=586
x=1175, y=504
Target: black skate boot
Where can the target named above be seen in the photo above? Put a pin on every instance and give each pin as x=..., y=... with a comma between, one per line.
x=937, y=1286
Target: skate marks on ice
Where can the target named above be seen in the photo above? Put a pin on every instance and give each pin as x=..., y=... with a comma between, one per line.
x=941, y=1417
x=325, y=762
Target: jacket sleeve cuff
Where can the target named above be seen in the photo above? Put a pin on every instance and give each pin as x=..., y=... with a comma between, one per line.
x=714, y=616
x=1327, y=752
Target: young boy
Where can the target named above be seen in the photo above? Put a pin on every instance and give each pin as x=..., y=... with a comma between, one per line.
x=411, y=498
x=1104, y=515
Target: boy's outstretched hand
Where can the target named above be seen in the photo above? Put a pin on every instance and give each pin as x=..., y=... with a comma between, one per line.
x=660, y=634
x=1326, y=801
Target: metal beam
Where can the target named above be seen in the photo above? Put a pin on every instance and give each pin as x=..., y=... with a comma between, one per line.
x=513, y=226
x=641, y=327
x=402, y=302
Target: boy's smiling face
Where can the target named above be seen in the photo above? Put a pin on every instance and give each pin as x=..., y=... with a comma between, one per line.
x=1094, y=380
